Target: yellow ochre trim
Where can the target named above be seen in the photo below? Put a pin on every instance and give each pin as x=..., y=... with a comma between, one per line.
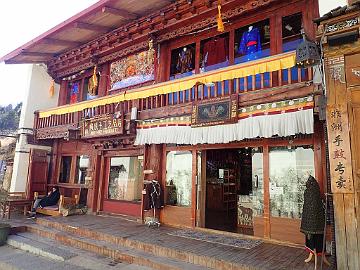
x=268, y=64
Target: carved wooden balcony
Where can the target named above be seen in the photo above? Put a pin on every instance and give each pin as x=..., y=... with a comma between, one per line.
x=268, y=81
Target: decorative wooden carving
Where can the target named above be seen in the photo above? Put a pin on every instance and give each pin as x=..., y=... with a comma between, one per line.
x=335, y=27
x=114, y=143
x=78, y=59
x=336, y=68
x=215, y=111
x=59, y=132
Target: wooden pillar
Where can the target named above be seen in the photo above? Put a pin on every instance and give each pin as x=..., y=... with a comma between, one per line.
x=194, y=188
x=94, y=175
x=266, y=183
x=62, y=93
x=342, y=157
x=153, y=160
x=55, y=157
x=101, y=182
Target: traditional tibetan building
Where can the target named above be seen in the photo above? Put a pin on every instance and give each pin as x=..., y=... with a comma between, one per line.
x=202, y=96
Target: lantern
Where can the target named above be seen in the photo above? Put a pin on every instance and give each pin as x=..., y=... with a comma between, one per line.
x=307, y=53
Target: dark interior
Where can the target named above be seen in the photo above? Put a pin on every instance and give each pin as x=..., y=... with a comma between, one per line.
x=228, y=174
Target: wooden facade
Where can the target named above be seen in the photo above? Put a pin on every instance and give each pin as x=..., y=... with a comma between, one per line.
x=269, y=79
x=339, y=36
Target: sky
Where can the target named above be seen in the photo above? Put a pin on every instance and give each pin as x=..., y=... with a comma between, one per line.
x=31, y=19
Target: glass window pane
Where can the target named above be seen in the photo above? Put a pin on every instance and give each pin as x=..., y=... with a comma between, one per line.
x=251, y=195
x=65, y=169
x=73, y=93
x=178, y=178
x=214, y=53
x=252, y=42
x=291, y=32
x=288, y=175
x=85, y=93
x=82, y=164
x=125, y=178
x=182, y=62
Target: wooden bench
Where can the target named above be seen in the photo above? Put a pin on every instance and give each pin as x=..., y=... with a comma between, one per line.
x=14, y=200
x=55, y=210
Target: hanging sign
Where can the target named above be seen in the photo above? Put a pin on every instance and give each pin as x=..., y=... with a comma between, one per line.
x=216, y=111
x=103, y=125
x=339, y=149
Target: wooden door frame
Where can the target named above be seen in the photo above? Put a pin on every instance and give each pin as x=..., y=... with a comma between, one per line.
x=265, y=144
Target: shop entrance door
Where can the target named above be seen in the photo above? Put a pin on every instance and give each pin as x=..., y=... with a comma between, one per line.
x=234, y=192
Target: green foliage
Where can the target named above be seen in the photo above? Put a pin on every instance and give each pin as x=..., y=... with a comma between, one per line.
x=9, y=117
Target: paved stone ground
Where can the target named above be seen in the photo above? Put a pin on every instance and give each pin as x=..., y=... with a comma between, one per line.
x=16, y=259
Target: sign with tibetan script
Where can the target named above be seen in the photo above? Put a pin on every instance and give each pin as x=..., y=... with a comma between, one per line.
x=216, y=111
x=103, y=125
x=339, y=149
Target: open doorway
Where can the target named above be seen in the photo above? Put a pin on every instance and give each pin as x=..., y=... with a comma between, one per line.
x=234, y=193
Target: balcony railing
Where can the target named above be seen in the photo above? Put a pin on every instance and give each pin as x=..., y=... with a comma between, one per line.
x=274, y=72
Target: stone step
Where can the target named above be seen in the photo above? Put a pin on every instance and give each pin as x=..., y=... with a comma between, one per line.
x=114, y=251
x=178, y=253
x=25, y=242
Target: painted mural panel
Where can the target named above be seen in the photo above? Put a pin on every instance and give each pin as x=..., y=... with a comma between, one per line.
x=132, y=70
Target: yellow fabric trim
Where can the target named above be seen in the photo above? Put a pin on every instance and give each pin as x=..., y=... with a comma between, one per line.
x=268, y=64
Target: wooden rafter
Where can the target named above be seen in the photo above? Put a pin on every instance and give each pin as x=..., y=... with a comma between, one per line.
x=60, y=42
x=37, y=54
x=93, y=27
x=119, y=12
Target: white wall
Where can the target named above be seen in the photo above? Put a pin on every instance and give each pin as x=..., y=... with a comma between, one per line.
x=36, y=98
x=326, y=5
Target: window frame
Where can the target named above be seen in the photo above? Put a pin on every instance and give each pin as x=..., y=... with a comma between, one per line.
x=107, y=175
x=70, y=177
x=76, y=170
x=81, y=79
x=276, y=44
x=167, y=151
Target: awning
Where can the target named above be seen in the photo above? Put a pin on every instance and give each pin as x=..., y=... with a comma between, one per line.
x=285, y=118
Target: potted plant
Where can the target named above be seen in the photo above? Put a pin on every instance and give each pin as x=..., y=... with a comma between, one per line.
x=4, y=227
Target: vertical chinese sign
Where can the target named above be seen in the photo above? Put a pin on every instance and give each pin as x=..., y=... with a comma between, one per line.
x=339, y=149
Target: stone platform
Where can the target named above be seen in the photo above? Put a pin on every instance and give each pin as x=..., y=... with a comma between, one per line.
x=126, y=240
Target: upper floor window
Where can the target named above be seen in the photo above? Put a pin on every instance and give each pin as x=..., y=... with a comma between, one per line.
x=73, y=94
x=291, y=31
x=81, y=90
x=182, y=62
x=214, y=53
x=132, y=70
x=252, y=42
x=89, y=90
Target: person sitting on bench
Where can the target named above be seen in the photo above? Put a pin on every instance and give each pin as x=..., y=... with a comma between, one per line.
x=51, y=199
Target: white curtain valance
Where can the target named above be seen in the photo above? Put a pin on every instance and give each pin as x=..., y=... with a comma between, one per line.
x=264, y=126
